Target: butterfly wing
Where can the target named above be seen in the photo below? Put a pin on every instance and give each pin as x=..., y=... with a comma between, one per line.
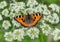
x=36, y=18
x=20, y=19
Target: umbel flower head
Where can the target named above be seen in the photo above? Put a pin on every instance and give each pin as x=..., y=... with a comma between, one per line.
x=6, y=24
x=18, y=34
x=45, y=28
x=54, y=7
x=56, y=34
x=33, y=33
x=3, y=4
x=15, y=23
x=8, y=36
x=5, y=12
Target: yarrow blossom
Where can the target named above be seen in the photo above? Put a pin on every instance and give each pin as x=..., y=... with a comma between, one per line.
x=46, y=29
x=15, y=23
x=29, y=10
x=5, y=12
x=56, y=34
x=17, y=6
x=1, y=17
x=46, y=12
x=38, y=9
x=54, y=7
x=3, y=4
x=6, y=24
x=33, y=33
x=8, y=36
x=53, y=19
x=11, y=15
x=32, y=3
x=18, y=34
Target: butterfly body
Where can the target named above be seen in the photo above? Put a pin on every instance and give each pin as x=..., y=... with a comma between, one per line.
x=28, y=20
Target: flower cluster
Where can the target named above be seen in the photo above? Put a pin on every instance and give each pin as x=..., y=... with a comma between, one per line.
x=5, y=12
x=54, y=7
x=15, y=23
x=19, y=34
x=6, y=24
x=53, y=19
x=56, y=34
x=50, y=16
x=45, y=28
x=17, y=6
x=33, y=33
x=3, y=4
x=32, y=3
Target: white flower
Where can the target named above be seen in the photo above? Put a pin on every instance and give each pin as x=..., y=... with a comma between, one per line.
x=25, y=31
x=46, y=12
x=3, y=4
x=29, y=10
x=5, y=12
x=42, y=21
x=54, y=19
x=32, y=3
x=8, y=36
x=6, y=24
x=11, y=15
x=54, y=7
x=46, y=17
x=38, y=9
x=18, y=34
x=33, y=33
x=1, y=17
x=43, y=6
x=17, y=6
x=15, y=23
x=45, y=28
x=56, y=34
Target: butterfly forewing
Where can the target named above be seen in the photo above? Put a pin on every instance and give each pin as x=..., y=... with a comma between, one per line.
x=36, y=18
x=20, y=19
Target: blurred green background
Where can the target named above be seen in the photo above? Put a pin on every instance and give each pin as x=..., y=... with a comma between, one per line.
x=42, y=37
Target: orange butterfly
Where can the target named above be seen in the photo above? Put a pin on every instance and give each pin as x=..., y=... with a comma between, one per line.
x=28, y=20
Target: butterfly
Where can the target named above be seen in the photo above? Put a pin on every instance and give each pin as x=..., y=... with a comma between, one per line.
x=28, y=20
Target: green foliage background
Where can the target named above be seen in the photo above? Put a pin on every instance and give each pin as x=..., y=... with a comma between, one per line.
x=42, y=37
